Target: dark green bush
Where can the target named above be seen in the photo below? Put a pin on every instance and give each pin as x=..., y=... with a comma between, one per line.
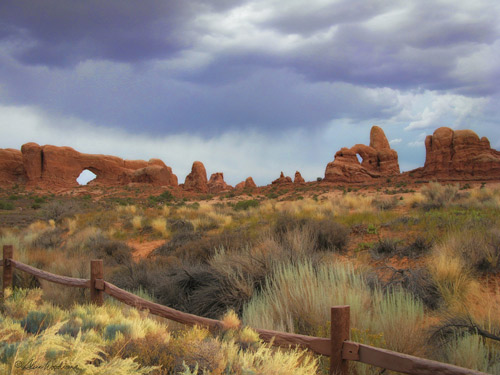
x=50, y=239
x=6, y=206
x=37, y=321
x=245, y=205
x=112, y=329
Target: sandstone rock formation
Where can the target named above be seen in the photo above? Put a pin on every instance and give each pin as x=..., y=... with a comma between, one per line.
x=282, y=180
x=197, y=179
x=298, y=178
x=52, y=166
x=458, y=154
x=378, y=160
x=247, y=184
x=216, y=184
x=11, y=167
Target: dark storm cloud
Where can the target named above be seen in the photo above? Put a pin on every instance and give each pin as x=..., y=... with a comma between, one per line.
x=209, y=67
x=269, y=99
x=413, y=45
x=62, y=32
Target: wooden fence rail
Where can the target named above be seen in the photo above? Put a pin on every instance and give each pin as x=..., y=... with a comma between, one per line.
x=337, y=347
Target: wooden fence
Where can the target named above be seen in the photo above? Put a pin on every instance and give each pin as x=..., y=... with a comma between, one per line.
x=338, y=347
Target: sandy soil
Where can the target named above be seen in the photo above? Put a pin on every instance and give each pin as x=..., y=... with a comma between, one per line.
x=143, y=249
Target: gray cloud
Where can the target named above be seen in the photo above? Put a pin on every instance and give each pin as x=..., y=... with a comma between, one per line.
x=61, y=33
x=212, y=67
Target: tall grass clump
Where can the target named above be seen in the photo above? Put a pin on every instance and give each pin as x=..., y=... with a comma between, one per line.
x=159, y=224
x=473, y=352
x=297, y=297
x=438, y=196
x=399, y=315
x=451, y=274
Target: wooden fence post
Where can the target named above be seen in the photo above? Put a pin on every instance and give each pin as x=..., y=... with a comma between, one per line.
x=340, y=331
x=96, y=282
x=8, y=253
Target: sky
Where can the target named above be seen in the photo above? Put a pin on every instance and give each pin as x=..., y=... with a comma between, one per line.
x=248, y=87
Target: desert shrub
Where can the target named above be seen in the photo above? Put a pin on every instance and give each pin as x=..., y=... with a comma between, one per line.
x=154, y=350
x=58, y=210
x=38, y=321
x=450, y=273
x=399, y=316
x=164, y=197
x=6, y=206
x=385, y=203
x=297, y=298
x=385, y=247
x=245, y=205
x=147, y=274
x=418, y=282
x=201, y=290
x=481, y=251
x=111, y=251
x=195, y=248
x=112, y=330
x=326, y=234
x=330, y=235
x=49, y=239
x=180, y=225
x=420, y=246
x=438, y=196
x=160, y=225
x=471, y=351
x=178, y=240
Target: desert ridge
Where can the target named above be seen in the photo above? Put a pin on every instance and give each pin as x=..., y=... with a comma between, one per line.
x=450, y=155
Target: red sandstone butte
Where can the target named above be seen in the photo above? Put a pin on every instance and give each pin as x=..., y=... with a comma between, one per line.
x=216, y=184
x=11, y=167
x=378, y=160
x=298, y=178
x=458, y=154
x=247, y=184
x=52, y=166
x=197, y=179
x=282, y=180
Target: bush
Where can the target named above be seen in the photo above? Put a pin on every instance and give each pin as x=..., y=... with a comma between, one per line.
x=180, y=225
x=245, y=205
x=326, y=234
x=58, y=210
x=6, y=206
x=49, y=239
x=385, y=247
x=385, y=203
x=37, y=321
x=203, y=291
x=178, y=240
x=438, y=196
x=112, y=252
x=418, y=282
x=111, y=330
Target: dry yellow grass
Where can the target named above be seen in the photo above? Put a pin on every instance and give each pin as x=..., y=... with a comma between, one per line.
x=137, y=222
x=160, y=225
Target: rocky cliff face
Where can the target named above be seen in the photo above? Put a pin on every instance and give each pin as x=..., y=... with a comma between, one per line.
x=11, y=167
x=247, y=184
x=298, y=178
x=216, y=184
x=197, y=179
x=52, y=166
x=282, y=180
x=378, y=160
x=459, y=154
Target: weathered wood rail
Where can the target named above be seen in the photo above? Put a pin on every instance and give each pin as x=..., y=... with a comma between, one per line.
x=338, y=347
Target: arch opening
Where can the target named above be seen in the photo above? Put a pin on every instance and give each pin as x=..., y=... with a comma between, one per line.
x=85, y=177
x=360, y=159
